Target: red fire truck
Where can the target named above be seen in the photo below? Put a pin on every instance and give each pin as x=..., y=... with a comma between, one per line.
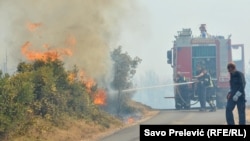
x=210, y=52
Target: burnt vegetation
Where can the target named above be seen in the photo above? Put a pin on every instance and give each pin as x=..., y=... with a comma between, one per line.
x=42, y=90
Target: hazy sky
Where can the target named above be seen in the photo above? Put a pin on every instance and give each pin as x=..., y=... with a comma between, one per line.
x=152, y=27
x=157, y=21
x=145, y=28
x=148, y=29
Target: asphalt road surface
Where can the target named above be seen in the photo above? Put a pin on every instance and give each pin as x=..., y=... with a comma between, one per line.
x=171, y=117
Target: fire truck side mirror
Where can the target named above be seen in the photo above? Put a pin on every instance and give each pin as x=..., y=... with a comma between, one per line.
x=169, y=56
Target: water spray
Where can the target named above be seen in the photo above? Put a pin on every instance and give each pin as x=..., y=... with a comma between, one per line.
x=156, y=86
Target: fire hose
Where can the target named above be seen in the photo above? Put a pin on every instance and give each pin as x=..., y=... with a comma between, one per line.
x=183, y=100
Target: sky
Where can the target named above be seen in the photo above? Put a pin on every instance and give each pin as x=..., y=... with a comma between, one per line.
x=156, y=23
x=144, y=28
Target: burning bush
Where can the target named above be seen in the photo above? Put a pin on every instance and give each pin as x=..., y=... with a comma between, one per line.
x=42, y=89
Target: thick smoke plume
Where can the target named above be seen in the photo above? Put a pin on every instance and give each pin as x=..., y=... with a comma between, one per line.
x=94, y=24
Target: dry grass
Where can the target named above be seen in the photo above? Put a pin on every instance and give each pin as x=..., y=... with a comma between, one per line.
x=80, y=130
x=72, y=130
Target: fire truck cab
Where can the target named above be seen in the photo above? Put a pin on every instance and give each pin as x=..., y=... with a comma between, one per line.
x=210, y=52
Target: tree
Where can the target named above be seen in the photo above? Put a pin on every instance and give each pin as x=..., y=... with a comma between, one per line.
x=124, y=70
x=16, y=96
x=43, y=89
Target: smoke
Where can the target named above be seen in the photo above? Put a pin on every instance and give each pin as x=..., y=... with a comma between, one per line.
x=94, y=24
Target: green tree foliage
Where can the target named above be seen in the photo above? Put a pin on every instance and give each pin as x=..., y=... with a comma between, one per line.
x=124, y=69
x=16, y=96
x=42, y=89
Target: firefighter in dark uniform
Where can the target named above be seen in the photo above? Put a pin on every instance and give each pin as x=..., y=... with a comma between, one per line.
x=182, y=98
x=210, y=91
x=236, y=95
x=201, y=88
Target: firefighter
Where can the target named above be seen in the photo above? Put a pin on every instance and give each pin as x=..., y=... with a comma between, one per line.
x=209, y=86
x=182, y=99
x=236, y=95
x=200, y=89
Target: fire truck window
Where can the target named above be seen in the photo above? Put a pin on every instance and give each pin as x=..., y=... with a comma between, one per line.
x=204, y=56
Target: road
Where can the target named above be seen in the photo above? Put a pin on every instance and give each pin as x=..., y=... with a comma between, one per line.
x=170, y=117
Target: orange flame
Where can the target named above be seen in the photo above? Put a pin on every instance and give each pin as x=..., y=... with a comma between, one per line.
x=100, y=97
x=33, y=26
x=88, y=82
x=130, y=120
x=52, y=54
x=56, y=53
